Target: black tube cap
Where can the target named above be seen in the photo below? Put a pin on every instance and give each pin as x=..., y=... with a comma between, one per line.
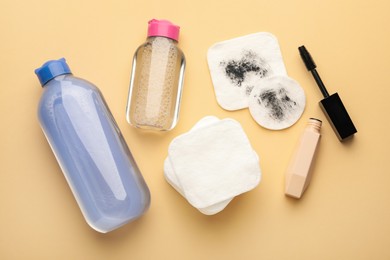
x=338, y=116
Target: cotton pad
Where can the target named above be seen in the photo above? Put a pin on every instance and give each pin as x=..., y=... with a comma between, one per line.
x=237, y=65
x=214, y=163
x=172, y=180
x=277, y=103
x=170, y=176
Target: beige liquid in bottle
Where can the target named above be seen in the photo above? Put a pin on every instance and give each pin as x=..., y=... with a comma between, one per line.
x=156, y=84
x=299, y=172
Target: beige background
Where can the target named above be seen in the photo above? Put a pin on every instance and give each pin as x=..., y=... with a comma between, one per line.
x=345, y=213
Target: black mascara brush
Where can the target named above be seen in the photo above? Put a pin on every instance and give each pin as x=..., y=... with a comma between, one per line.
x=331, y=104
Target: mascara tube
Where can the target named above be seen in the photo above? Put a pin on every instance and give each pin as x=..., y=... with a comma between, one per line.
x=331, y=105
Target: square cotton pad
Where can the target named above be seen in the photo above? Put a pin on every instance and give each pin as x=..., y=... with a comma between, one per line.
x=171, y=178
x=237, y=65
x=214, y=163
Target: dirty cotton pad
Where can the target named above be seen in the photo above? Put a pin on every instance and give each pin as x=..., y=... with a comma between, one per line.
x=237, y=65
x=277, y=102
x=214, y=163
x=170, y=176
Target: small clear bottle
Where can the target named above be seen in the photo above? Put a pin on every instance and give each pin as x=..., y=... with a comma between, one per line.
x=156, y=79
x=90, y=149
x=299, y=172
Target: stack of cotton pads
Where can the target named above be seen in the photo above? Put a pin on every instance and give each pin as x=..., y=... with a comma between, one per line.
x=249, y=72
x=211, y=164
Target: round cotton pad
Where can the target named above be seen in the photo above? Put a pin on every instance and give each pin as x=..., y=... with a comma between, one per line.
x=277, y=102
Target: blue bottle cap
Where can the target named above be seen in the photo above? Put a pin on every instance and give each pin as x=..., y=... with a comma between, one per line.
x=52, y=69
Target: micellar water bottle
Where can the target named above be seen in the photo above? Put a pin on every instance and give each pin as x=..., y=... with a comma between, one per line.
x=90, y=149
x=156, y=79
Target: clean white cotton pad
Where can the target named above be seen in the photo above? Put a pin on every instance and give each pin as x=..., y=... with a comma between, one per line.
x=214, y=163
x=170, y=176
x=277, y=103
x=205, y=121
x=237, y=65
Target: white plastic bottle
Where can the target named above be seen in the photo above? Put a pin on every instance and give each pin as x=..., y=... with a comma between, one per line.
x=156, y=79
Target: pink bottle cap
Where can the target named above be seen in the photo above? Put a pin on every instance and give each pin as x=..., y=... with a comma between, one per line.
x=163, y=28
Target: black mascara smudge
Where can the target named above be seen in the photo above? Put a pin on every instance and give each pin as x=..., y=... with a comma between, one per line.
x=250, y=62
x=248, y=90
x=278, y=103
x=236, y=70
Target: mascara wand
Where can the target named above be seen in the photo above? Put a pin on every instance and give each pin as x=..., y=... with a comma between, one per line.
x=331, y=105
